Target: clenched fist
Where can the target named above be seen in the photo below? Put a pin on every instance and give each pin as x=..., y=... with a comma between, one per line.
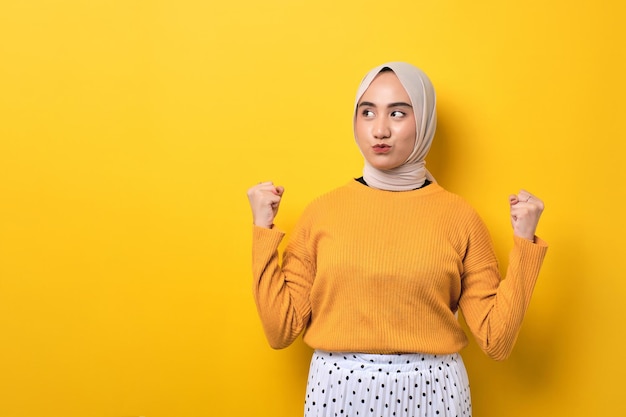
x=525, y=212
x=264, y=201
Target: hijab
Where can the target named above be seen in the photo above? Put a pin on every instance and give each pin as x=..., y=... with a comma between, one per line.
x=412, y=173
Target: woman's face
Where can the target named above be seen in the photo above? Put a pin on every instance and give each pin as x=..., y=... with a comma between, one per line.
x=385, y=123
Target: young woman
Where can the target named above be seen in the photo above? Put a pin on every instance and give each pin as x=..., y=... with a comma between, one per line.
x=376, y=271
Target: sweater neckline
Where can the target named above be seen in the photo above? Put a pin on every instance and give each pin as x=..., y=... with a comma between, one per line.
x=427, y=182
x=430, y=189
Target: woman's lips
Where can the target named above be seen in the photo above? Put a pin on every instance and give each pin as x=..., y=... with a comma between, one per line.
x=381, y=148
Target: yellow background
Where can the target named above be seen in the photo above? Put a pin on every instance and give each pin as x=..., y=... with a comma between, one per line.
x=130, y=131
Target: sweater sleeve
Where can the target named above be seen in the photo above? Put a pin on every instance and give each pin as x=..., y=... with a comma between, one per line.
x=494, y=308
x=281, y=292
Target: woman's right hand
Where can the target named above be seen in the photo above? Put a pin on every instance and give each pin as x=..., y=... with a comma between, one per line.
x=264, y=201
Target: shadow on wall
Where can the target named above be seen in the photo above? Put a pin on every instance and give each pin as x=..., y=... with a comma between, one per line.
x=295, y=362
x=299, y=357
x=440, y=159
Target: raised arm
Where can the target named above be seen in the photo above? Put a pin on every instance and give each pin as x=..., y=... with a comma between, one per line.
x=281, y=292
x=494, y=308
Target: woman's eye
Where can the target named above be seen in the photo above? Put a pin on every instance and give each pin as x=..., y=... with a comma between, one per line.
x=397, y=113
x=367, y=113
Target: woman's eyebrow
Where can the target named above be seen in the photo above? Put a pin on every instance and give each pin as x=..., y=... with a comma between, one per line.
x=397, y=104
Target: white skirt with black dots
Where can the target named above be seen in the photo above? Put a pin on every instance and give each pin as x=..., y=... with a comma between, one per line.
x=371, y=385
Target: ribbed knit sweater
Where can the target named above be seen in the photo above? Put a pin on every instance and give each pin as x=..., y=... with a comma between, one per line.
x=367, y=270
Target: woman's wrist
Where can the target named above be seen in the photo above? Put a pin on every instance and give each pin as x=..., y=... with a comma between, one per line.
x=530, y=239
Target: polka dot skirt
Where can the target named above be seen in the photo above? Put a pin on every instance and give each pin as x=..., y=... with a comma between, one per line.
x=372, y=385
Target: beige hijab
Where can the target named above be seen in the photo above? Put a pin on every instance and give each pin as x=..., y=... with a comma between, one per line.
x=412, y=173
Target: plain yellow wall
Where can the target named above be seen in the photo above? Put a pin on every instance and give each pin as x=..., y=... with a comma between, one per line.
x=130, y=131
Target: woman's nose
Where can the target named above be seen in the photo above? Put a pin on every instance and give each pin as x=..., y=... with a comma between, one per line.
x=381, y=129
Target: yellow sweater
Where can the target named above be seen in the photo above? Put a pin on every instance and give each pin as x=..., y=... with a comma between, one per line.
x=375, y=271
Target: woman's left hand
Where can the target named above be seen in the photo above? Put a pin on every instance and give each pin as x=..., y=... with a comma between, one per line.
x=525, y=212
